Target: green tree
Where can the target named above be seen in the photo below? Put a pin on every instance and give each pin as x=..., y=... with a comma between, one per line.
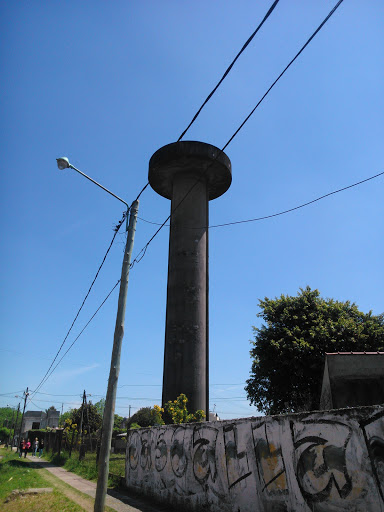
x=145, y=417
x=100, y=406
x=65, y=416
x=95, y=420
x=4, y=434
x=6, y=414
x=117, y=421
x=288, y=353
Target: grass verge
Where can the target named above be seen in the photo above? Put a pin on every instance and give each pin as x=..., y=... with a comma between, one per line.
x=86, y=468
x=17, y=474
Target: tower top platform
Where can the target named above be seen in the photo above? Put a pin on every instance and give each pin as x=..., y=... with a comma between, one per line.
x=186, y=157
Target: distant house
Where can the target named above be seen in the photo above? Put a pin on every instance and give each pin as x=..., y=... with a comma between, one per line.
x=351, y=379
x=39, y=419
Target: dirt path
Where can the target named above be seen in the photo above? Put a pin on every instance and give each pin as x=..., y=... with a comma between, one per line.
x=83, y=491
x=85, y=502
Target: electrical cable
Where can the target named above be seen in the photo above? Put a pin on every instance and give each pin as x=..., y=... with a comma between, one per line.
x=142, y=190
x=116, y=229
x=284, y=70
x=78, y=336
x=36, y=405
x=124, y=386
x=297, y=207
x=290, y=209
x=270, y=10
x=51, y=394
x=11, y=393
x=142, y=252
x=54, y=401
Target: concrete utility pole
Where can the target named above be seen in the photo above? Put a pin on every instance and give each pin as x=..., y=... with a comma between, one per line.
x=190, y=174
x=109, y=409
x=102, y=457
x=26, y=395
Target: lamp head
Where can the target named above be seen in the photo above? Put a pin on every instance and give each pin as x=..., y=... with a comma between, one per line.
x=62, y=163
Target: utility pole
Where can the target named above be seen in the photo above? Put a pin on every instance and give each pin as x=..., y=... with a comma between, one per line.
x=14, y=429
x=129, y=413
x=110, y=400
x=26, y=395
x=82, y=447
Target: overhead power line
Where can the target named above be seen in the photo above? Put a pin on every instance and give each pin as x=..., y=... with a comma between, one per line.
x=116, y=229
x=39, y=408
x=284, y=211
x=143, y=251
x=283, y=72
x=270, y=10
x=297, y=207
x=78, y=336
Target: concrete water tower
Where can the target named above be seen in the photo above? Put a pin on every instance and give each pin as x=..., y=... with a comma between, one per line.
x=190, y=174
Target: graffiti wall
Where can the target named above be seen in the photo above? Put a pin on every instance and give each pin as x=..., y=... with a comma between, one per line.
x=320, y=461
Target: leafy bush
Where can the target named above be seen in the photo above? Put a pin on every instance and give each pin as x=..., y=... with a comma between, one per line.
x=178, y=411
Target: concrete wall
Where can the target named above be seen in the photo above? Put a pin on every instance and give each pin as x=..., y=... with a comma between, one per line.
x=319, y=461
x=352, y=379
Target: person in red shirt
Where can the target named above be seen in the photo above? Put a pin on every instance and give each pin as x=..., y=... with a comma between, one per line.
x=27, y=447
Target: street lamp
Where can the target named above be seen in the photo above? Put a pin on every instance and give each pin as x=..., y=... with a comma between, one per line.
x=63, y=163
x=110, y=399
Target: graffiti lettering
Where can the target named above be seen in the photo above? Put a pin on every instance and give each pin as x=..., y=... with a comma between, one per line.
x=204, y=453
x=178, y=456
x=320, y=459
x=237, y=462
x=161, y=453
x=145, y=453
x=269, y=460
x=133, y=451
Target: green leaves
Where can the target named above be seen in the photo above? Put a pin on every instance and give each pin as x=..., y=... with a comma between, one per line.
x=289, y=349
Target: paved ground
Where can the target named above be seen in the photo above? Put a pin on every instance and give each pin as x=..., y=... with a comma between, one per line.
x=117, y=501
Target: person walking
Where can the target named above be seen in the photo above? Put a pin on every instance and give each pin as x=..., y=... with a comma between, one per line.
x=21, y=447
x=35, y=446
x=27, y=447
x=41, y=448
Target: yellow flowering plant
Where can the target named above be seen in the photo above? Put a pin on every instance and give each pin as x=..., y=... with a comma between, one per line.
x=156, y=415
x=178, y=411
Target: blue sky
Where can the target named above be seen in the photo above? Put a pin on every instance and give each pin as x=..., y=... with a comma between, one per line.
x=109, y=83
